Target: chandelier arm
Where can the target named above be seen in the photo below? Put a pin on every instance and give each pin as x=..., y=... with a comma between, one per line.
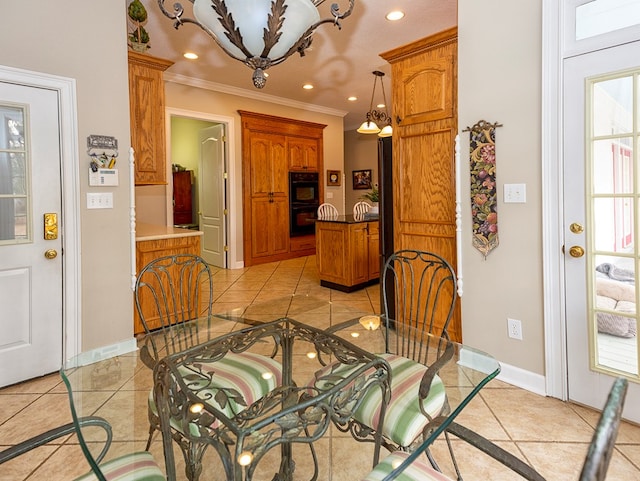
x=275, y=20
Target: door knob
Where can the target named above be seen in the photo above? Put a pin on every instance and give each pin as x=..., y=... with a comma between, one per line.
x=576, y=251
x=51, y=254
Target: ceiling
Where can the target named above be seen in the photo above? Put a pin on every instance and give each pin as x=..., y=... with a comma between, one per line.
x=338, y=64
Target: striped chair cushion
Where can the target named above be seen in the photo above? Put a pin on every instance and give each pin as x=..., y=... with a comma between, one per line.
x=403, y=421
x=252, y=375
x=135, y=466
x=416, y=471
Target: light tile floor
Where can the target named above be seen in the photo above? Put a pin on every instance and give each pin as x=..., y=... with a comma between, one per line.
x=550, y=434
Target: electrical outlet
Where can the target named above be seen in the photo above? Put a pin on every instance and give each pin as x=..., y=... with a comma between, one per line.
x=514, y=327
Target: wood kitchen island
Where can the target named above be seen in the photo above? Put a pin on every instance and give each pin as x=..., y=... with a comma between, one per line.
x=348, y=252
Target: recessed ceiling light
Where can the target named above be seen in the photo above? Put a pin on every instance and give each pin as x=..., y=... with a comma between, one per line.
x=307, y=86
x=190, y=55
x=352, y=98
x=394, y=15
x=381, y=106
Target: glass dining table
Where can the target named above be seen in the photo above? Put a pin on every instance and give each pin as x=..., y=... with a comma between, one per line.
x=295, y=432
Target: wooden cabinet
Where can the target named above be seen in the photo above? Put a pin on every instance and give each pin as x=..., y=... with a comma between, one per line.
x=347, y=254
x=146, y=108
x=424, y=86
x=303, y=154
x=182, y=197
x=270, y=147
x=268, y=198
x=148, y=250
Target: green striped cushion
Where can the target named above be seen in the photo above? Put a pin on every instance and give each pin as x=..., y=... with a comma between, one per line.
x=242, y=372
x=135, y=466
x=403, y=421
x=416, y=471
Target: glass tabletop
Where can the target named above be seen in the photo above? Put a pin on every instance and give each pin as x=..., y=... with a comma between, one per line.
x=118, y=389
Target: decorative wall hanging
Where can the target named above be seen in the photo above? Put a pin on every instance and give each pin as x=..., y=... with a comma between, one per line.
x=484, y=202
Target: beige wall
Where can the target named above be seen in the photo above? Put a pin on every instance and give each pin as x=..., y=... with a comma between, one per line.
x=184, y=97
x=360, y=152
x=59, y=38
x=499, y=66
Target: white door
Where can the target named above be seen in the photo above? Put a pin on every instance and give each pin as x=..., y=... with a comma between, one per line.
x=30, y=284
x=602, y=206
x=212, y=195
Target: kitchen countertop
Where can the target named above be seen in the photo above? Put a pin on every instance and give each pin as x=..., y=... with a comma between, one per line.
x=145, y=232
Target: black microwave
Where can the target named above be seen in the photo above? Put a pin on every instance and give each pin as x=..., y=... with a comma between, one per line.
x=303, y=188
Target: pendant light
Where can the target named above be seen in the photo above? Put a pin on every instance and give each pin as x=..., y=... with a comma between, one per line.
x=369, y=126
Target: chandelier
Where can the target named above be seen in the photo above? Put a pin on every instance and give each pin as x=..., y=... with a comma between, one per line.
x=258, y=33
x=369, y=126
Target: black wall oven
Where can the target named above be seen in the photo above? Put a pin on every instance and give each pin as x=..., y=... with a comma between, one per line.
x=304, y=199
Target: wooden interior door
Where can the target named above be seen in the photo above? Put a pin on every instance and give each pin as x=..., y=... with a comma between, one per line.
x=424, y=84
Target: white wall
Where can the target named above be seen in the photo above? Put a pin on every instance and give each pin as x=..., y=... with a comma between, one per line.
x=59, y=38
x=499, y=75
x=360, y=152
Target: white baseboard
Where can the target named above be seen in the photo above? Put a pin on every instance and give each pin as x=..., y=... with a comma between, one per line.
x=518, y=377
x=106, y=352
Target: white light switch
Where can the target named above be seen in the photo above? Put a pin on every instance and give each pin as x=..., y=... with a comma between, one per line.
x=100, y=200
x=515, y=193
x=329, y=195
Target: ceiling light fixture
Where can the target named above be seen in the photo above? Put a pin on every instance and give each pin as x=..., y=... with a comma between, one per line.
x=259, y=34
x=369, y=126
x=394, y=15
x=190, y=55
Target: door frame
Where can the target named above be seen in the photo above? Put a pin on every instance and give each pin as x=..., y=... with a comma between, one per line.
x=232, y=261
x=69, y=227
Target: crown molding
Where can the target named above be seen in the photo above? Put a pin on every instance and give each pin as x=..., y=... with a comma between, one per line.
x=251, y=94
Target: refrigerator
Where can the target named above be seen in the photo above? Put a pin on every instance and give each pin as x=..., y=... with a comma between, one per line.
x=385, y=186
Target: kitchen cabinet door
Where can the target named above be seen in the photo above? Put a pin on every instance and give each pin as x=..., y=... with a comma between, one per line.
x=303, y=154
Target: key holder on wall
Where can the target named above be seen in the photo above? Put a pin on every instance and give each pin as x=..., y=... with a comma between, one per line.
x=103, y=151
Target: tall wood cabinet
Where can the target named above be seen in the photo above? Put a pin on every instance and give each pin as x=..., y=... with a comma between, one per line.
x=271, y=147
x=182, y=197
x=146, y=108
x=424, y=92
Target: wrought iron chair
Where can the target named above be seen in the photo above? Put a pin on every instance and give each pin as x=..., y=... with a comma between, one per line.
x=360, y=209
x=419, y=296
x=327, y=211
x=408, y=467
x=170, y=292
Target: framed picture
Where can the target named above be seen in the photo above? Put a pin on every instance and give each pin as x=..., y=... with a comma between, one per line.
x=362, y=179
x=333, y=177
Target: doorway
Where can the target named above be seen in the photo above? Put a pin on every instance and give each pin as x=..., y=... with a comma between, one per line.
x=192, y=146
x=39, y=225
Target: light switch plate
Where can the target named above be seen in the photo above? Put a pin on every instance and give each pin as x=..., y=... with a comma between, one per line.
x=515, y=193
x=100, y=200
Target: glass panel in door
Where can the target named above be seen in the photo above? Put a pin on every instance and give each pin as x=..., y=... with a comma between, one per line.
x=612, y=195
x=14, y=195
